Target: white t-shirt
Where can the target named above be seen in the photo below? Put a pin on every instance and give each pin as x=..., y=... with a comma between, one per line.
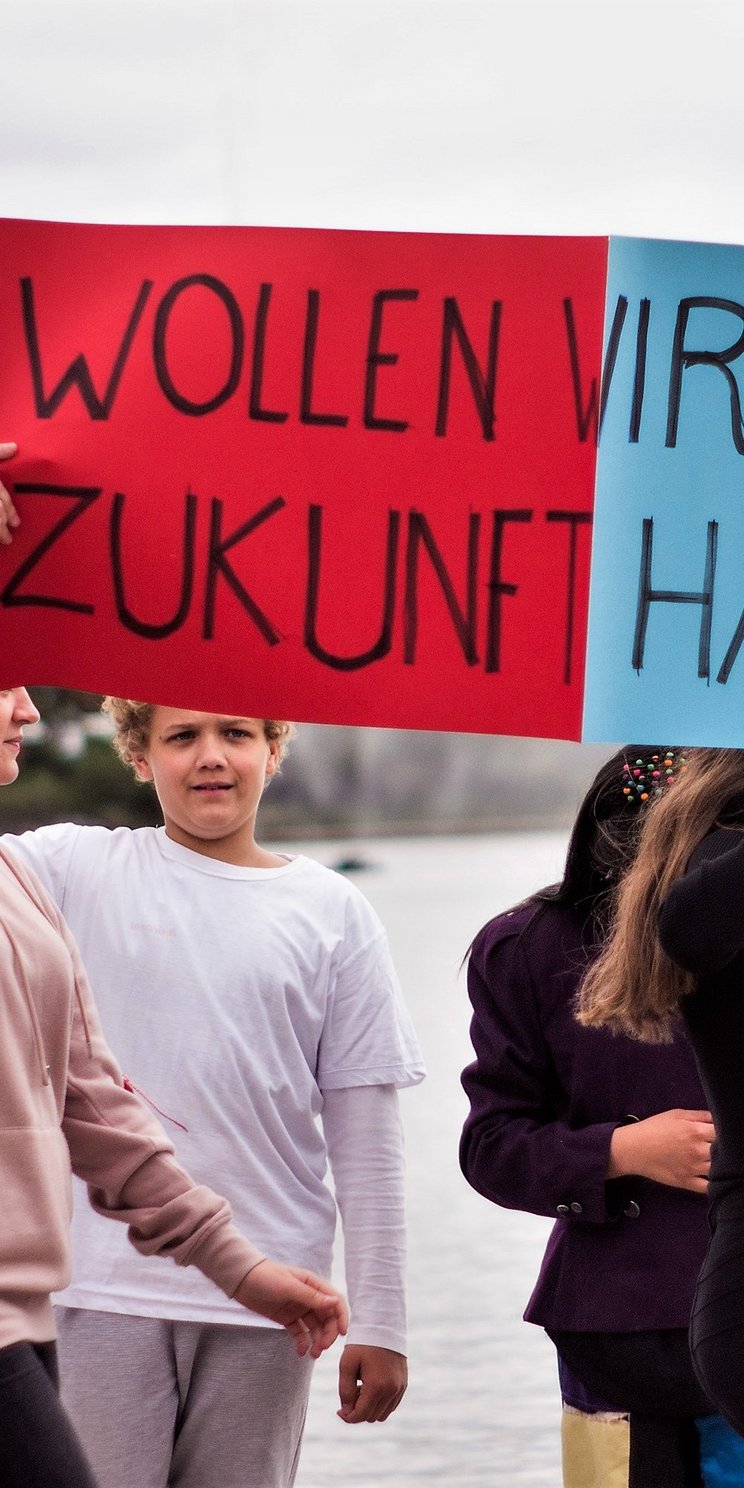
x=233, y=997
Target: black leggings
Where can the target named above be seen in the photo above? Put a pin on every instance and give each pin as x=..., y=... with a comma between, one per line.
x=38, y=1447
x=717, y=1323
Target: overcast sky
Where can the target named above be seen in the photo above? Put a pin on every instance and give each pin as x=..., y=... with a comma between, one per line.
x=460, y=115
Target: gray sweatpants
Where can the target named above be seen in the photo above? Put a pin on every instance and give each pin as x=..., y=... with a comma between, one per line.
x=183, y=1405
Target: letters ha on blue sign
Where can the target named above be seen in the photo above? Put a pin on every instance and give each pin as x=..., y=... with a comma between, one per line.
x=666, y=617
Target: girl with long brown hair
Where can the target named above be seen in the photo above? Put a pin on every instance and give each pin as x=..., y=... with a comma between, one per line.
x=610, y=1139
x=676, y=951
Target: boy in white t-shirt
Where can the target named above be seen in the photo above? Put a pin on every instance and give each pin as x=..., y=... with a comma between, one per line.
x=252, y=996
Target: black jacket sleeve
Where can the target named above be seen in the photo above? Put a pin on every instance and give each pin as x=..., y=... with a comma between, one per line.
x=701, y=922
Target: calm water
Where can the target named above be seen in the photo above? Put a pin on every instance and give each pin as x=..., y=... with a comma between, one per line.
x=482, y=1407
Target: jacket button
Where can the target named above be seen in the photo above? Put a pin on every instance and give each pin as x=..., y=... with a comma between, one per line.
x=563, y=1210
x=577, y=1208
x=631, y=1210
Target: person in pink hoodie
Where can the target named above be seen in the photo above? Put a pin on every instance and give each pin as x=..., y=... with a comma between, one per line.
x=65, y=1107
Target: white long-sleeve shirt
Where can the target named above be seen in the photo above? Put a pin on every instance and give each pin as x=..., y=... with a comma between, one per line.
x=256, y=1007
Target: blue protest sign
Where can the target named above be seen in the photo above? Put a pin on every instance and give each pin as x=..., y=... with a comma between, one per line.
x=666, y=618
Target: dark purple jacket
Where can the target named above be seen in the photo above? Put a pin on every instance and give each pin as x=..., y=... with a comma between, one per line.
x=545, y=1096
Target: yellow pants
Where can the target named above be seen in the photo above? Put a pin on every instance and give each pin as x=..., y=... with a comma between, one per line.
x=595, y=1449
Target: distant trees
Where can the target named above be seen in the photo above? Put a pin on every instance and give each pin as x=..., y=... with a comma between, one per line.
x=70, y=772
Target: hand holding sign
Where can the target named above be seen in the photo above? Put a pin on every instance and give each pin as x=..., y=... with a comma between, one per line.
x=9, y=517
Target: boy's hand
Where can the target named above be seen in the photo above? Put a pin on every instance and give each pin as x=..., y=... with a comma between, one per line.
x=9, y=517
x=371, y=1382
x=310, y=1309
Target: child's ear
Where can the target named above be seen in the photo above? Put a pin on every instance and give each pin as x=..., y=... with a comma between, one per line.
x=272, y=763
x=141, y=767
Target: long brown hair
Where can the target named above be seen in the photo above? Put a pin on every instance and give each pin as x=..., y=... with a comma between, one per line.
x=633, y=987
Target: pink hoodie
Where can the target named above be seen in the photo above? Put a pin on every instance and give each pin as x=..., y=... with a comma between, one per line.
x=63, y=1104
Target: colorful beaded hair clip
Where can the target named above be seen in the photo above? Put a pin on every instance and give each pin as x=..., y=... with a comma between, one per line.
x=643, y=779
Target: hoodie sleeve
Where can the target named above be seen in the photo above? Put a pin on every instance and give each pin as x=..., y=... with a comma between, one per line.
x=124, y=1156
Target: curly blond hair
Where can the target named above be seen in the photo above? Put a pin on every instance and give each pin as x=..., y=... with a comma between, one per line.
x=133, y=721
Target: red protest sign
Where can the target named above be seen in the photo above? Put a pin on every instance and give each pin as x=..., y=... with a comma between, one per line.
x=336, y=476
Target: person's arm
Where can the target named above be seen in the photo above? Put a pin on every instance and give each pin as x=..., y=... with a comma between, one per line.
x=672, y=1147
x=364, y=1138
x=48, y=852
x=515, y=1149
x=127, y=1161
x=701, y=923
x=9, y=518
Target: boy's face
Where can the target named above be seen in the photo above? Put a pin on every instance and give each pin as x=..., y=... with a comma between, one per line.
x=209, y=771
